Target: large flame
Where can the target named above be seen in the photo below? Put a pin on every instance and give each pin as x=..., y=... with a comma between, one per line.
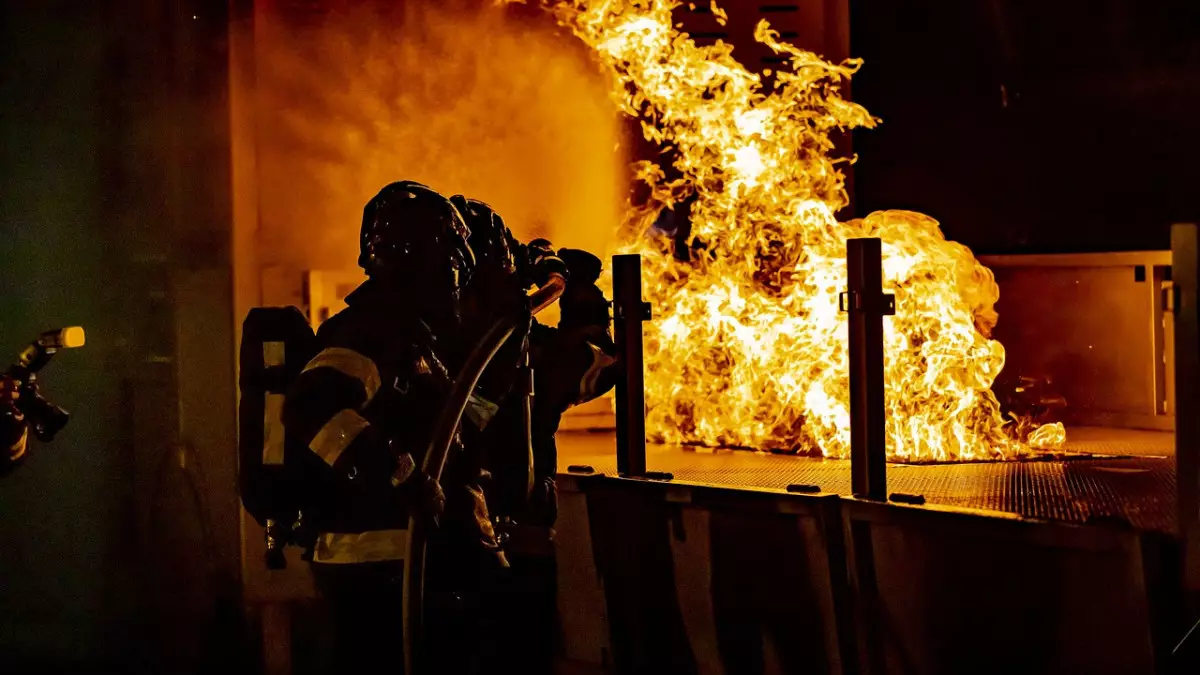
x=747, y=346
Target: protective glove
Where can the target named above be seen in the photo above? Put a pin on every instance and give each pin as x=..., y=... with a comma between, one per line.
x=582, y=303
x=543, y=502
x=425, y=494
x=540, y=262
x=430, y=499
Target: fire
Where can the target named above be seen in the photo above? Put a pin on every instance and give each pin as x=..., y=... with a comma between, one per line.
x=748, y=347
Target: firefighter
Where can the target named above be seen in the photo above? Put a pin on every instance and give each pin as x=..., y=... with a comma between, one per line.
x=364, y=407
x=571, y=364
x=14, y=431
x=465, y=593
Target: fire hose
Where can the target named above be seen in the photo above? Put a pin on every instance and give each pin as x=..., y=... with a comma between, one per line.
x=439, y=450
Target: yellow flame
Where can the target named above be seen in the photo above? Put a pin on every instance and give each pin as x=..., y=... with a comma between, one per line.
x=1048, y=436
x=748, y=347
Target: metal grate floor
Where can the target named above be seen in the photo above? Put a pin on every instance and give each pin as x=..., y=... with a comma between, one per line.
x=1129, y=478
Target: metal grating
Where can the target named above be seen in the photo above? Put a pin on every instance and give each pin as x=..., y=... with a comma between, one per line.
x=1138, y=490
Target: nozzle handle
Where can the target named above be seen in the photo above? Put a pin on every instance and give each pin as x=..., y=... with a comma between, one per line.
x=70, y=337
x=39, y=352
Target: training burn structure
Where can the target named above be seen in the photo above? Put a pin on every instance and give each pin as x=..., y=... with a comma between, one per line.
x=789, y=355
x=728, y=551
x=813, y=470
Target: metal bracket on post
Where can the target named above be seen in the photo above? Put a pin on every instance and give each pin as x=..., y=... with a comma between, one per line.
x=867, y=304
x=629, y=311
x=1185, y=277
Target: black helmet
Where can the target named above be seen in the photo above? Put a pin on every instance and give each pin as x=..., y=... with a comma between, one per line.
x=411, y=233
x=489, y=237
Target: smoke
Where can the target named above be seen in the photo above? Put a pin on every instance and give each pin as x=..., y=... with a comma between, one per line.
x=482, y=101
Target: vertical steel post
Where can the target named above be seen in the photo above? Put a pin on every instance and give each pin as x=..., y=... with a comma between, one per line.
x=629, y=311
x=1185, y=276
x=866, y=304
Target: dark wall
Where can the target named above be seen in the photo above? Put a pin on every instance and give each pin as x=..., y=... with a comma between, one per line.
x=120, y=537
x=1026, y=125
x=58, y=515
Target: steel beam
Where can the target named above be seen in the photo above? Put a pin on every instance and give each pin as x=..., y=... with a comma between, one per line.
x=866, y=304
x=629, y=311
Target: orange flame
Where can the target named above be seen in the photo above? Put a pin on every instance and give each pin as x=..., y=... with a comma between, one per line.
x=748, y=347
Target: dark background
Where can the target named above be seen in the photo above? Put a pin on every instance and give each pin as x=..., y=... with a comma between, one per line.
x=114, y=162
x=1026, y=125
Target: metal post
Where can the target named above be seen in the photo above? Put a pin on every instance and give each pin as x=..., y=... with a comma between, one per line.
x=1185, y=276
x=629, y=311
x=867, y=304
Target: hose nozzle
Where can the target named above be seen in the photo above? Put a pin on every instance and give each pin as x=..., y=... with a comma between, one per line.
x=63, y=338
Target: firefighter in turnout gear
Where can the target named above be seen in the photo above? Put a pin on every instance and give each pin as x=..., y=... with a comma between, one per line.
x=465, y=594
x=363, y=408
x=571, y=364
